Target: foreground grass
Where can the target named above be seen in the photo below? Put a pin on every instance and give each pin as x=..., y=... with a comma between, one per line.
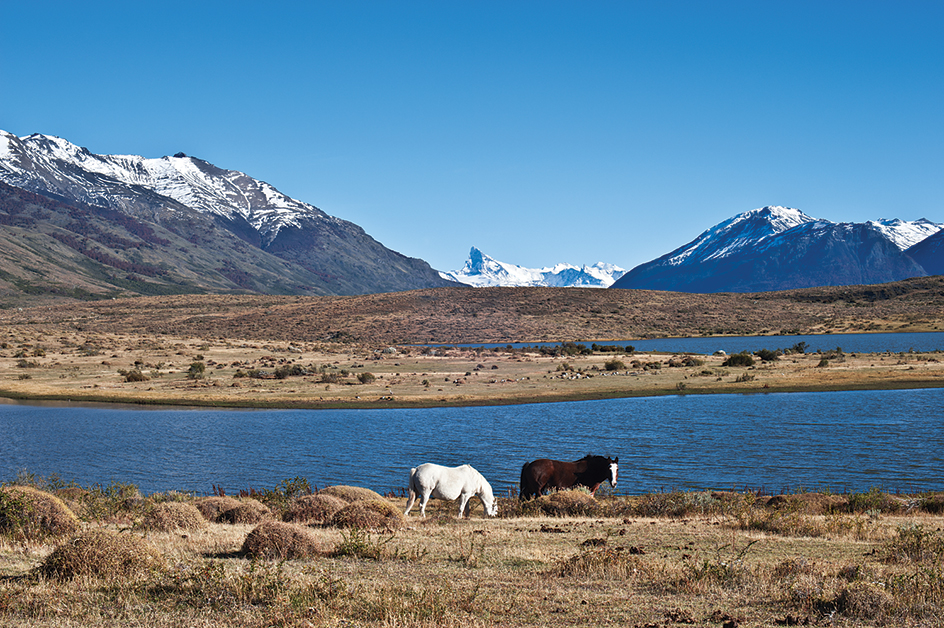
x=652, y=560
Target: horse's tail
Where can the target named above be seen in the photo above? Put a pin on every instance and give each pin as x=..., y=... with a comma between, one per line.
x=524, y=492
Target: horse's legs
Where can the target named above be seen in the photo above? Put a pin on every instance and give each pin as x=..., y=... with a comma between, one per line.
x=423, y=504
x=410, y=502
x=463, y=500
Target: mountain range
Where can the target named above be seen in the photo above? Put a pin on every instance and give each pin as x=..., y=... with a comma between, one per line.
x=102, y=225
x=780, y=248
x=481, y=271
x=86, y=226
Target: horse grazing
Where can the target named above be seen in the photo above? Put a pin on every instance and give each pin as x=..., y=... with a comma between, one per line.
x=449, y=483
x=590, y=471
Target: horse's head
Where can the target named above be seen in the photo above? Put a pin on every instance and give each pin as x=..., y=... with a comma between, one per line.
x=488, y=499
x=614, y=470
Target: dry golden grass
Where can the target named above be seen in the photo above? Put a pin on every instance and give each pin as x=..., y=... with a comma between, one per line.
x=350, y=493
x=369, y=514
x=246, y=511
x=313, y=509
x=31, y=514
x=703, y=563
x=103, y=553
x=277, y=539
x=170, y=516
x=212, y=507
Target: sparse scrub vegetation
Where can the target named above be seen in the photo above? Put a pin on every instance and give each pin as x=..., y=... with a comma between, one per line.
x=676, y=558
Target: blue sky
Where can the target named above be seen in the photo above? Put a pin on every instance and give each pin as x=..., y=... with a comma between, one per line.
x=539, y=132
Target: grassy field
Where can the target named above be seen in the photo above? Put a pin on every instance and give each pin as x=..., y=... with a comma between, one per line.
x=670, y=559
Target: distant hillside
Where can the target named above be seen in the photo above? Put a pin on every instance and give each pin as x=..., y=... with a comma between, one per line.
x=777, y=248
x=213, y=229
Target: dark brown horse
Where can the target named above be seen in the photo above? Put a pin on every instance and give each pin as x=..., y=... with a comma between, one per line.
x=590, y=471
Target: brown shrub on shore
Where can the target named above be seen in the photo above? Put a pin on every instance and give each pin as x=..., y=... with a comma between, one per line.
x=170, y=516
x=369, y=514
x=350, y=493
x=27, y=513
x=280, y=540
x=313, y=509
x=102, y=553
x=571, y=503
x=247, y=511
x=212, y=507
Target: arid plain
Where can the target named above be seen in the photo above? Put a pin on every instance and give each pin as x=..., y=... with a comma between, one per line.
x=367, y=351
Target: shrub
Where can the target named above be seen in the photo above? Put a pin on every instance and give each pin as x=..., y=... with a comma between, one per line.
x=767, y=355
x=27, y=513
x=248, y=511
x=102, y=553
x=276, y=539
x=614, y=365
x=350, y=493
x=571, y=503
x=212, y=507
x=313, y=509
x=134, y=375
x=739, y=359
x=366, y=378
x=170, y=516
x=369, y=514
x=196, y=370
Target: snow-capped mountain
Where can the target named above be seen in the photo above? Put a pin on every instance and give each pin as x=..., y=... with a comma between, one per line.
x=207, y=205
x=779, y=248
x=905, y=234
x=481, y=271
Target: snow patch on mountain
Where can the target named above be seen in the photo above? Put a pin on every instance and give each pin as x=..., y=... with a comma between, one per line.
x=482, y=271
x=187, y=180
x=905, y=234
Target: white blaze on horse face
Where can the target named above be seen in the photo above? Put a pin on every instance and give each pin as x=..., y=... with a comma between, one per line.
x=614, y=469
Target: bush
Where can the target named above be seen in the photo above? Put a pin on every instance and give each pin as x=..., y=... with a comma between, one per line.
x=212, y=507
x=767, y=355
x=739, y=359
x=248, y=511
x=614, y=365
x=366, y=378
x=196, y=370
x=313, y=509
x=571, y=503
x=134, y=375
x=27, y=513
x=102, y=553
x=350, y=493
x=369, y=514
x=275, y=539
x=170, y=516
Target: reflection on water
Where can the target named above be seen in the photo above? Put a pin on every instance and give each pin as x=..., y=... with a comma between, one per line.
x=844, y=441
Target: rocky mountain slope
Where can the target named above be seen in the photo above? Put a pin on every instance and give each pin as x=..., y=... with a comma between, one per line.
x=778, y=248
x=201, y=211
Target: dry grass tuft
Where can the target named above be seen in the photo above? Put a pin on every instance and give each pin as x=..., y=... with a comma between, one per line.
x=212, y=507
x=370, y=514
x=350, y=493
x=809, y=503
x=276, y=539
x=248, y=511
x=313, y=509
x=170, y=516
x=102, y=553
x=27, y=513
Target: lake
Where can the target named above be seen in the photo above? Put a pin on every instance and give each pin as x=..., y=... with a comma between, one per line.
x=850, y=343
x=840, y=441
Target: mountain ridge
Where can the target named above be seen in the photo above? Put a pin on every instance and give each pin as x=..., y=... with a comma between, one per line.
x=779, y=248
x=480, y=271
x=209, y=206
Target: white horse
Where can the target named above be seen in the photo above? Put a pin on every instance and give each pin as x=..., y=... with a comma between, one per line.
x=449, y=483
